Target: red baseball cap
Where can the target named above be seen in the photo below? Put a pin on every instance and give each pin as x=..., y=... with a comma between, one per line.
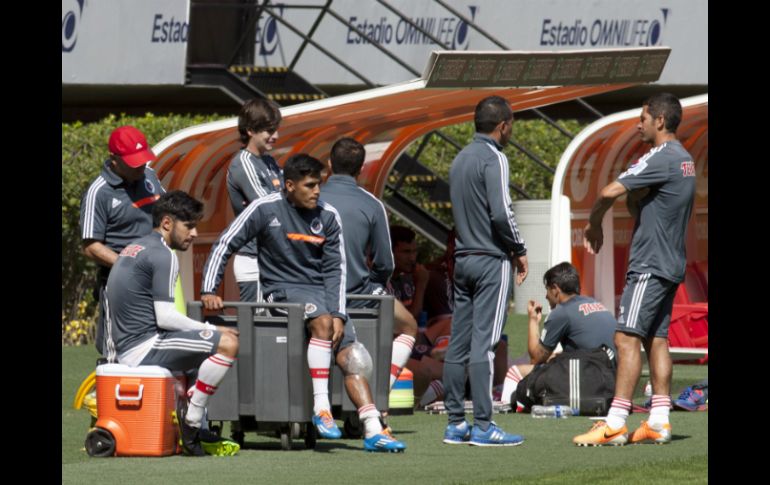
x=130, y=144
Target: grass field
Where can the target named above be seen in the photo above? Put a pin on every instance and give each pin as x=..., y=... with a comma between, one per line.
x=547, y=456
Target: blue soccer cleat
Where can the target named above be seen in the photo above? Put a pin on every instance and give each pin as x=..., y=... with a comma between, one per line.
x=325, y=425
x=457, y=434
x=383, y=442
x=494, y=436
x=691, y=400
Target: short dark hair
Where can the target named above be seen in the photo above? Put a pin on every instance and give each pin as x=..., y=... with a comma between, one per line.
x=347, y=156
x=400, y=234
x=178, y=205
x=565, y=276
x=300, y=166
x=490, y=112
x=258, y=114
x=668, y=105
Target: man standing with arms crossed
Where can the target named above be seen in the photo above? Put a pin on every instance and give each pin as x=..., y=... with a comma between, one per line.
x=661, y=188
x=488, y=240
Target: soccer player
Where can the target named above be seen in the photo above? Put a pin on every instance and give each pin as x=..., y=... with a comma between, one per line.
x=143, y=324
x=300, y=245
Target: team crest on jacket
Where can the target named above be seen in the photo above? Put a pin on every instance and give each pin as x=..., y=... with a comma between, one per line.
x=149, y=186
x=316, y=226
x=206, y=334
x=310, y=308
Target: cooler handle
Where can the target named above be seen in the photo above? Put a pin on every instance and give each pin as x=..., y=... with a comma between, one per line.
x=138, y=397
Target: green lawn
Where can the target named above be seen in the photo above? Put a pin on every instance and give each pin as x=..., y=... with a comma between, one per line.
x=547, y=455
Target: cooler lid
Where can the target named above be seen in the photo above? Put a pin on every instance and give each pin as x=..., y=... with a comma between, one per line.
x=128, y=371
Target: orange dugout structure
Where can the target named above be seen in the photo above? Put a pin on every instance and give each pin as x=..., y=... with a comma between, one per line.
x=595, y=158
x=388, y=119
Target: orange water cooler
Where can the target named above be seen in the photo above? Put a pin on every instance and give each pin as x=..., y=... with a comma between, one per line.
x=135, y=412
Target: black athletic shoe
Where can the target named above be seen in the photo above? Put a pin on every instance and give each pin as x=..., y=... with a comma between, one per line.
x=188, y=435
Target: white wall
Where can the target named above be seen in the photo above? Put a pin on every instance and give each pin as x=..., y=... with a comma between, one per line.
x=124, y=41
x=520, y=24
x=144, y=41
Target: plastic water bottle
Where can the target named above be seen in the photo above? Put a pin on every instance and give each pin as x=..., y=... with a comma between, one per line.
x=556, y=411
x=422, y=320
x=648, y=389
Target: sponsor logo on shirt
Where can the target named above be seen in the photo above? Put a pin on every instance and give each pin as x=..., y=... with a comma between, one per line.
x=688, y=169
x=305, y=238
x=275, y=222
x=147, y=200
x=115, y=202
x=149, y=186
x=589, y=308
x=132, y=250
x=442, y=342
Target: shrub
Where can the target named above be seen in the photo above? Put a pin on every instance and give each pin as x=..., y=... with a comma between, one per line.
x=84, y=150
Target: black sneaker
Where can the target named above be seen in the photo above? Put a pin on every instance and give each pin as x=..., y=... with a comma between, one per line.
x=188, y=435
x=208, y=435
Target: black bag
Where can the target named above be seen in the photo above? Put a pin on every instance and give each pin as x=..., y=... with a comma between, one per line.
x=580, y=379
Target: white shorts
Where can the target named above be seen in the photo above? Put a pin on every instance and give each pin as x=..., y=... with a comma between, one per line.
x=246, y=268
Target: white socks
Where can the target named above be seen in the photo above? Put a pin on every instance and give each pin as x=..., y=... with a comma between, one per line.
x=319, y=354
x=618, y=413
x=370, y=418
x=402, y=349
x=210, y=374
x=661, y=406
x=434, y=392
x=512, y=378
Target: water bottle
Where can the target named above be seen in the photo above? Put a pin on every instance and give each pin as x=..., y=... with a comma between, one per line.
x=557, y=411
x=422, y=320
x=648, y=389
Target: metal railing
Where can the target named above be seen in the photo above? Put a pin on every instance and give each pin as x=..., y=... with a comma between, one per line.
x=257, y=9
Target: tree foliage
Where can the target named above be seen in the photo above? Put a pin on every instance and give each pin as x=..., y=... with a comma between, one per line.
x=537, y=136
x=84, y=150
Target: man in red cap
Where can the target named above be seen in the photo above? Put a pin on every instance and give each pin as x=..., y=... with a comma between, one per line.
x=117, y=207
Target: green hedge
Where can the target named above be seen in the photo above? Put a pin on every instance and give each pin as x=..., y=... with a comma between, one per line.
x=84, y=149
x=539, y=137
